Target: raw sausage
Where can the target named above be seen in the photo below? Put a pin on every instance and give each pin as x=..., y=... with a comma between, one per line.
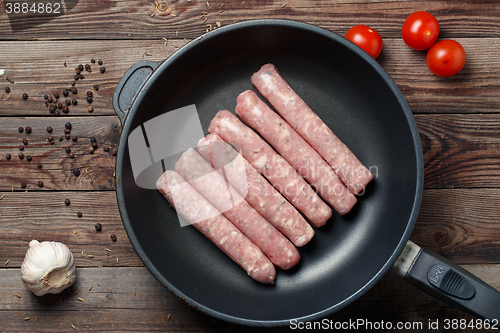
x=300, y=116
x=274, y=167
x=257, y=191
x=211, y=185
x=193, y=207
x=289, y=144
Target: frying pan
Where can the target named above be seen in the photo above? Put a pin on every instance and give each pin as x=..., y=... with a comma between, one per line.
x=358, y=100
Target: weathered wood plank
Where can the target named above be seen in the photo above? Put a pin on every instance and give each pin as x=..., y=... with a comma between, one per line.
x=44, y=216
x=460, y=150
x=457, y=223
x=130, y=299
x=135, y=19
x=460, y=224
x=96, y=170
x=475, y=89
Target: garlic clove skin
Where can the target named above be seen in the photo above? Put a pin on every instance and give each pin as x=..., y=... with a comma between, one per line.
x=48, y=267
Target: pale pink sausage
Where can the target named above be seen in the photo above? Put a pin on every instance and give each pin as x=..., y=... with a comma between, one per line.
x=263, y=197
x=191, y=205
x=274, y=167
x=289, y=144
x=307, y=123
x=211, y=185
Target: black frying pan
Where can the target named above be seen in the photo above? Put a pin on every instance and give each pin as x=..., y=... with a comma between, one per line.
x=363, y=106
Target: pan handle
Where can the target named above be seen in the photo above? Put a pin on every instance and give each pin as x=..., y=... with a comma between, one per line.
x=448, y=282
x=130, y=86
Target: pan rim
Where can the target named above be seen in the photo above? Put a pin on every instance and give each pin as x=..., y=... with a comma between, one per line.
x=416, y=145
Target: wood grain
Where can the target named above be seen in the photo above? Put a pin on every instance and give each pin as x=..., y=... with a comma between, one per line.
x=45, y=217
x=474, y=90
x=135, y=19
x=130, y=299
x=460, y=150
x=457, y=223
x=96, y=170
x=460, y=224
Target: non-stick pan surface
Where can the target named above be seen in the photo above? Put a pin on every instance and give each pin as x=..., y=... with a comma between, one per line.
x=360, y=103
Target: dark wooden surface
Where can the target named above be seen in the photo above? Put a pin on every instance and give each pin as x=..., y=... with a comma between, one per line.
x=458, y=119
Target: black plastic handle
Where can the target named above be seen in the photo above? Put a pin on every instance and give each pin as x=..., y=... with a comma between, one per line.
x=130, y=86
x=454, y=285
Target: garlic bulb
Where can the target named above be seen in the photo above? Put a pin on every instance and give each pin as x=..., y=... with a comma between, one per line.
x=48, y=267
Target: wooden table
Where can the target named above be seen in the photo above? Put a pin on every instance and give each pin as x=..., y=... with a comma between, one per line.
x=458, y=119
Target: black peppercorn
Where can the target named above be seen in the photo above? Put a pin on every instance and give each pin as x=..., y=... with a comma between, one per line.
x=45, y=96
x=8, y=156
x=74, y=91
x=92, y=60
x=68, y=150
x=65, y=109
x=23, y=185
x=68, y=126
x=102, y=69
x=76, y=172
x=67, y=136
x=74, y=138
x=21, y=129
x=65, y=93
x=21, y=147
x=79, y=214
x=90, y=109
x=76, y=77
x=89, y=99
x=94, y=145
x=67, y=202
x=57, y=113
x=92, y=139
x=7, y=90
x=29, y=158
x=82, y=77
x=40, y=183
x=56, y=95
x=88, y=68
x=95, y=87
x=66, y=131
x=39, y=165
x=50, y=99
x=113, y=237
x=50, y=138
x=100, y=62
x=61, y=138
x=89, y=93
x=74, y=101
x=98, y=226
x=28, y=129
x=59, y=106
x=68, y=102
x=49, y=129
x=21, y=156
x=25, y=95
x=25, y=141
x=46, y=104
x=77, y=71
x=80, y=67
x=73, y=82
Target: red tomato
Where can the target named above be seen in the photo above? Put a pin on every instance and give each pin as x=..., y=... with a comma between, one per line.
x=366, y=38
x=446, y=58
x=420, y=30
